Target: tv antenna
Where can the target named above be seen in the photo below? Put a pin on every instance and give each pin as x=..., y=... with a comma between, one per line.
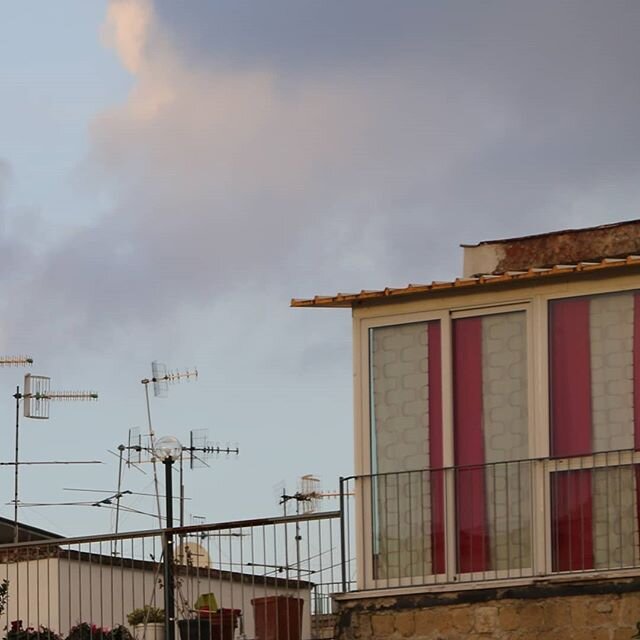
x=307, y=499
x=36, y=397
x=15, y=361
x=200, y=449
x=160, y=378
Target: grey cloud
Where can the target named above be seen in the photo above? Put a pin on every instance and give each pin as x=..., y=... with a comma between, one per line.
x=312, y=147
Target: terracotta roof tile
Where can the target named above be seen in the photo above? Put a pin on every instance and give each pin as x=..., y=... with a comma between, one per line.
x=472, y=283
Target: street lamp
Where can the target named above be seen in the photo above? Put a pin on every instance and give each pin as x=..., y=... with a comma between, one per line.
x=168, y=449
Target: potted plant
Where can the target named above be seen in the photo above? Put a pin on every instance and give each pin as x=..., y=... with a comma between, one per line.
x=4, y=595
x=207, y=621
x=17, y=632
x=87, y=631
x=147, y=623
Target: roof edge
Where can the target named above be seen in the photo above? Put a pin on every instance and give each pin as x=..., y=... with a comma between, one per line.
x=548, y=234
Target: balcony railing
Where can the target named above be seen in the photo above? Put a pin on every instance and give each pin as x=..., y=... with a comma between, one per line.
x=497, y=521
x=268, y=576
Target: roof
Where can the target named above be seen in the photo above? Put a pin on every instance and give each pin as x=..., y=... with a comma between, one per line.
x=561, y=232
x=471, y=284
x=26, y=533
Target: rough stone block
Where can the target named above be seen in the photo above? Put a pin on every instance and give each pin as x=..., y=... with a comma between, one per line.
x=382, y=625
x=404, y=622
x=485, y=619
x=461, y=618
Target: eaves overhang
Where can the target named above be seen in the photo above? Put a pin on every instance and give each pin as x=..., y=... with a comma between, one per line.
x=532, y=275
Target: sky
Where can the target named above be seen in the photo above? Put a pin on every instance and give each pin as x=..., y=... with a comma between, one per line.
x=171, y=174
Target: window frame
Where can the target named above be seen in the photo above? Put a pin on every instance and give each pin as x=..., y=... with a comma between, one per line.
x=364, y=494
x=535, y=301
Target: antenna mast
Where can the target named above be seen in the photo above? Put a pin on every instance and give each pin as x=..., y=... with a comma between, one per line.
x=37, y=396
x=160, y=378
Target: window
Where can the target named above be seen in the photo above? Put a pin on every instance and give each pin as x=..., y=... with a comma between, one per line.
x=406, y=437
x=462, y=484
x=595, y=407
x=493, y=477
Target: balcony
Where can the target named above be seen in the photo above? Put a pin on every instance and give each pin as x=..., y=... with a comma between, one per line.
x=508, y=523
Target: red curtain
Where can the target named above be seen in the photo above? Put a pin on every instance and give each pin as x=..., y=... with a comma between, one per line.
x=570, y=371
x=472, y=534
x=435, y=448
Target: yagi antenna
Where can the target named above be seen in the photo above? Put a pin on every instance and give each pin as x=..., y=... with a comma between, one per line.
x=161, y=378
x=200, y=448
x=37, y=395
x=15, y=361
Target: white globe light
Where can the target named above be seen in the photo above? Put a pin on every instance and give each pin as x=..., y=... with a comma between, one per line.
x=167, y=447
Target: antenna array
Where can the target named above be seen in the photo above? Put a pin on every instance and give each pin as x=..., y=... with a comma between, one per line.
x=200, y=449
x=15, y=361
x=37, y=395
x=161, y=378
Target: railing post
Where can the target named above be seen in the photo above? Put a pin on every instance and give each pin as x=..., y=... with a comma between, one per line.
x=343, y=543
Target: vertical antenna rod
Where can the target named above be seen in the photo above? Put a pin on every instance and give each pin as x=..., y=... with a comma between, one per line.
x=118, y=496
x=15, y=473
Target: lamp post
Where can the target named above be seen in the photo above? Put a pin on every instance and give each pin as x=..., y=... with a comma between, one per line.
x=168, y=449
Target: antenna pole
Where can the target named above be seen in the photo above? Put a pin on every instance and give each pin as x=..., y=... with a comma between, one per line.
x=298, y=538
x=118, y=496
x=181, y=491
x=153, y=459
x=169, y=595
x=16, y=532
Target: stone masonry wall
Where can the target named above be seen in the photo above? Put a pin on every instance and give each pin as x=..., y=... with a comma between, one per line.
x=566, y=615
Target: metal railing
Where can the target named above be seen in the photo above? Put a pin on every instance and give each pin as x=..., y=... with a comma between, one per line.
x=495, y=521
x=267, y=577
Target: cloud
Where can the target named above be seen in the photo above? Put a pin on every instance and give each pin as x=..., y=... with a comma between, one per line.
x=269, y=150
x=308, y=147
x=125, y=30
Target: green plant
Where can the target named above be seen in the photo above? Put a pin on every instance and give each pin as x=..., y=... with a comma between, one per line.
x=86, y=631
x=144, y=615
x=4, y=595
x=18, y=632
x=119, y=633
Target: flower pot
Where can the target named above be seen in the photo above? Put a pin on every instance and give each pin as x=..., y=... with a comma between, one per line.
x=149, y=631
x=278, y=617
x=219, y=625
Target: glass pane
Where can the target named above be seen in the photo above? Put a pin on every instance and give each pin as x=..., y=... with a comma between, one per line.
x=594, y=347
x=406, y=437
x=493, y=497
x=591, y=372
x=594, y=519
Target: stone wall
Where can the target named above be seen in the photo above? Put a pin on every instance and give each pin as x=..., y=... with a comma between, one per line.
x=593, y=611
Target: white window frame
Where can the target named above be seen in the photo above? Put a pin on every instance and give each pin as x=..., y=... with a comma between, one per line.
x=364, y=519
x=536, y=304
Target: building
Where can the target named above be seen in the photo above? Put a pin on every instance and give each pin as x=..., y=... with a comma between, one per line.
x=56, y=582
x=497, y=439
x=26, y=532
